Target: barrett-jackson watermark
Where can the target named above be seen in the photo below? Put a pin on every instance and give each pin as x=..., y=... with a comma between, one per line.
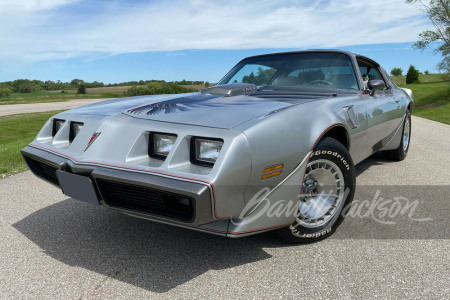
x=379, y=209
x=384, y=210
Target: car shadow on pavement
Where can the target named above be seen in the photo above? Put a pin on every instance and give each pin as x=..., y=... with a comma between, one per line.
x=375, y=159
x=160, y=257
x=149, y=255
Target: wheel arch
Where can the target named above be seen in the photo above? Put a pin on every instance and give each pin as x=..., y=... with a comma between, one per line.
x=410, y=103
x=337, y=132
x=410, y=106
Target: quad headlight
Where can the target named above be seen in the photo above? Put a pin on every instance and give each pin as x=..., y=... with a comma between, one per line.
x=75, y=127
x=205, y=150
x=57, y=124
x=161, y=144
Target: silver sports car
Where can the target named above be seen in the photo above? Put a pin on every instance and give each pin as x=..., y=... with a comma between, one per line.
x=273, y=145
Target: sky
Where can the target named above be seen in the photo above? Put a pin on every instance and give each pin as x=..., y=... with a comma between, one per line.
x=123, y=40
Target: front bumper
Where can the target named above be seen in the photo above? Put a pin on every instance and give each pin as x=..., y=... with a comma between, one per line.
x=152, y=196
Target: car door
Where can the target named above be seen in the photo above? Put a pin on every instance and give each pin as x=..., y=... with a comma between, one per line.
x=383, y=109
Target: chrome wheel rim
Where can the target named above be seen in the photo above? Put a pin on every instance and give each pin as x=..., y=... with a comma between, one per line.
x=322, y=193
x=406, y=131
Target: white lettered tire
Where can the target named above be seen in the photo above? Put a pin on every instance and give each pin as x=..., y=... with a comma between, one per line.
x=328, y=186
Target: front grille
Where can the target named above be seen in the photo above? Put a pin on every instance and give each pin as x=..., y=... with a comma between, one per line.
x=147, y=200
x=43, y=170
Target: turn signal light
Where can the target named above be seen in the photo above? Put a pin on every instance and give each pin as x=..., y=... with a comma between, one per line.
x=272, y=171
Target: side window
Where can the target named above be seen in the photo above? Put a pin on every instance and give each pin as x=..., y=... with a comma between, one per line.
x=389, y=82
x=374, y=74
x=369, y=72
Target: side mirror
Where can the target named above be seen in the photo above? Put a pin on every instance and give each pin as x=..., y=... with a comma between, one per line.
x=376, y=84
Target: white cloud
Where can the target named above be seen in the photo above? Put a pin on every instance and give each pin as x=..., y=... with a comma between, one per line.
x=12, y=6
x=42, y=32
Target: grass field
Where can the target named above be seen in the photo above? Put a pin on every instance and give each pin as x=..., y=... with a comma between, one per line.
x=401, y=80
x=439, y=114
x=116, y=90
x=41, y=97
x=432, y=100
x=56, y=96
x=197, y=87
x=15, y=133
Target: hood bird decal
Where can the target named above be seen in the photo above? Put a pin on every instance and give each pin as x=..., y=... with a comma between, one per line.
x=187, y=103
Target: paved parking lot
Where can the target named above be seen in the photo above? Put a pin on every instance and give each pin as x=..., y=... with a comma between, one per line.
x=55, y=247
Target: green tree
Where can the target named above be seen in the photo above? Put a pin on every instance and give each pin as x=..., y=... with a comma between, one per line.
x=81, y=89
x=76, y=82
x=132, y=91
x=26, y=87
x=438, y=12
x=261, y=77
x=413, y=75
x=4, y=92
x=444, y=66
x=207, y=84
x=426, y=72
x=396, y=72
x=249, y=78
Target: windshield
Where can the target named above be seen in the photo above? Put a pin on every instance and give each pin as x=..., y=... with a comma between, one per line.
x=324, y=70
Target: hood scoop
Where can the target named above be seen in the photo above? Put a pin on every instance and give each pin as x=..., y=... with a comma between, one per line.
x=231, y=89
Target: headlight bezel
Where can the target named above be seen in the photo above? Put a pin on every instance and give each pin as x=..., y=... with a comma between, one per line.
x=152, y=144
x=196, y=150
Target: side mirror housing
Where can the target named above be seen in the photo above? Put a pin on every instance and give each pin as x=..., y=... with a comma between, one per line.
x=376, y=84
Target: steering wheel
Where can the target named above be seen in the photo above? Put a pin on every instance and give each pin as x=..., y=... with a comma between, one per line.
x=319, y=82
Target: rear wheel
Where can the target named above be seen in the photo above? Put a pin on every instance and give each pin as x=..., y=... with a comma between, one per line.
x=328, y=186
x=402, y=150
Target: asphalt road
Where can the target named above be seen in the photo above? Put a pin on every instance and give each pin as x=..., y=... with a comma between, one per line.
x=14, y=109
x=55, y=247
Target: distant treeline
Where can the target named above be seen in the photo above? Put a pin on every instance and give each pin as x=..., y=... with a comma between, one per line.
x=145, y=82
x=31, y=86
x=157, y=88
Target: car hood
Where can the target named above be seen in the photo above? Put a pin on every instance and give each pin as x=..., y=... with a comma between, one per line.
x=193, y=109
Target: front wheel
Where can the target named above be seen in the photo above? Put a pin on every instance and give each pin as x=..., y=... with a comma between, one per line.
x=328, y=186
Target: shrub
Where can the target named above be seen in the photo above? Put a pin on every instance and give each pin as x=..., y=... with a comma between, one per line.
x=28, y=87
x=412, y=76
x=4, y=92
x=132, y=91
x=396, y=72
x=81, y=89
x=207, y=84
